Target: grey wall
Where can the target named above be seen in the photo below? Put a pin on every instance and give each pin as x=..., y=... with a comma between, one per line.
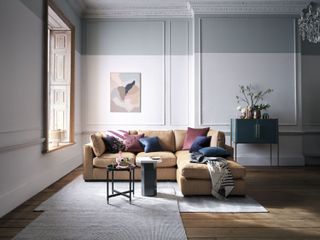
x=24, y=170
x=246, y=34
x=123, y=37
x=261, y=50
x=310, y=61
x=191, y=71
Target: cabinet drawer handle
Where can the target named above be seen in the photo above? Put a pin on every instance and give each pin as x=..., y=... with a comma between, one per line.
x=258, y=131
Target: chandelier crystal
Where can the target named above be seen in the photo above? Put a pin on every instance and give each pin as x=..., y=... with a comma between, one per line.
x=309, y=23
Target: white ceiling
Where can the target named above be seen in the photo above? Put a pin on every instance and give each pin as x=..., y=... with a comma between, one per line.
x=184, y=8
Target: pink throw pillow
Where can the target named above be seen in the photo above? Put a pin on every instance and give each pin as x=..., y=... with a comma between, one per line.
x=192, y=134
x=132, y=143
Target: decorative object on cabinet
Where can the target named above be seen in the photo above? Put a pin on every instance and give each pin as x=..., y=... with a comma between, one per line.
x=255, y=131
x=253, y=99
x=265, y=116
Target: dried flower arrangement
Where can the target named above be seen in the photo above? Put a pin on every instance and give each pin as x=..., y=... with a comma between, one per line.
x=252, y=98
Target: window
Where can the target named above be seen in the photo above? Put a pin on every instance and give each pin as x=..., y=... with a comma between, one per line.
x=59, y=81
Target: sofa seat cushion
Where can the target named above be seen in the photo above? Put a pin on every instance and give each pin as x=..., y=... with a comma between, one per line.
x=200, y=171
x=110, y=158
x=168, y=159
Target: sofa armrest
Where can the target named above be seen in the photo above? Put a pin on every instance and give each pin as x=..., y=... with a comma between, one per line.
x=229, y=150
x=88, y=156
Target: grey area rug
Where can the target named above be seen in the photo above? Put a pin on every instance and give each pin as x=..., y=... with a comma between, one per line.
x=80, y=211
x=229, y=205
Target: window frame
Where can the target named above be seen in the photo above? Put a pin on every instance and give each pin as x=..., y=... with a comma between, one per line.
x=46, y=118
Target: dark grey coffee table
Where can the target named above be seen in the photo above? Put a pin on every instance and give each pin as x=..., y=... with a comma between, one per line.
x=148, y=175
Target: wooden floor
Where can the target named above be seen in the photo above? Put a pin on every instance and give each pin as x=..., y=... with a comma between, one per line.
x=292, y=195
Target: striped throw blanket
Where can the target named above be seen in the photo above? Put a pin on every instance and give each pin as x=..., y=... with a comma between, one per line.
x=221, y=177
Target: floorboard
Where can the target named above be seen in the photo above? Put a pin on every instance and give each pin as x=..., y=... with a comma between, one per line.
x=291, y=194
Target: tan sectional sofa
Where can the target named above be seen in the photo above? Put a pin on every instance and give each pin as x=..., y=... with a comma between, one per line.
x=193, y=178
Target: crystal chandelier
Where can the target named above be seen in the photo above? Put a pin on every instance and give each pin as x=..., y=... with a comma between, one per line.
x=309, y=23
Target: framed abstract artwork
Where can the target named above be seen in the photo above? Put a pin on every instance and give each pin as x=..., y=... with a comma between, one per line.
x=125, y=92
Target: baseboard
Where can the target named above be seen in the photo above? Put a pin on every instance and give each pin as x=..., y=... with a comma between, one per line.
x=11, y=200
x=312, y=161
x=265, y=161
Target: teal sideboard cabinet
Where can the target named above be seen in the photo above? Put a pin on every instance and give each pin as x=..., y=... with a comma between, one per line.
x=255, y=131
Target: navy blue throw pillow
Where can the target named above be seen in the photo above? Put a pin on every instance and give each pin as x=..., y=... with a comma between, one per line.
x=113, y=145
x=214, y=152
x=150, y=144
x=200, y=142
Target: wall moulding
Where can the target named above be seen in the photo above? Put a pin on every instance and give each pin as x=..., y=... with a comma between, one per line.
x=24, y=144
x=20, y=131
x=247, y=7
x=12, y=138
x=139, y=13
x=311, y=124
x=89, y=8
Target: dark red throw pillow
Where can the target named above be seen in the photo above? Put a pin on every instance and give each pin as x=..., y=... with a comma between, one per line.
x=191, y=135
x=132, y=143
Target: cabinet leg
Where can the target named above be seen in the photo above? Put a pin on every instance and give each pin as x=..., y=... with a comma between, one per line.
x=270, y=154
x=278, y=155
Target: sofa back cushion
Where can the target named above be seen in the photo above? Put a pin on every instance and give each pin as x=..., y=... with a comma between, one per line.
x=217, y=138
x=133, y=132
x=179, y=136
x=166, y=138
x=97, y=143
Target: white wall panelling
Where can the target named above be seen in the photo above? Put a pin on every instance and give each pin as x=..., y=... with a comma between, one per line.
x=164, y=92
x=152, y=89
x=21, y=178
x=223, y=63
x=18, y=137
x=179, y=73
x=224, y=72
x=24, y=170
x=246, y=68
